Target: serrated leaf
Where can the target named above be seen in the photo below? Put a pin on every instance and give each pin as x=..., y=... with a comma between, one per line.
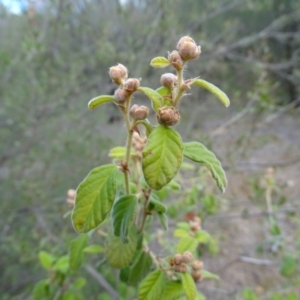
x=155, y=204
x=93, y=249
x=122, y=214
x=213, y=89
x=162, y=157
x=189, y=286
x=140, y=268
x=197, y=152
x=173, y=290
x=152, y=286
x=76, y=251
x=187, y=244
x=97, y=101
x=159, y=62
x=163, y=220
x=209, y=275
x=94, y=198
x=119, y=152
x=118, y=254
x=46, y=259
x=155, y=97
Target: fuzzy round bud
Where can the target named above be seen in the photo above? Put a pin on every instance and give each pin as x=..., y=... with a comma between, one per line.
x=187, y=257
x=139, y=112
x=168, y=80
x=197, y=276
x=182, y=268
x=171, y=262
x=118, y=74
x=175, y=60
x=168, y=116
x=131, y=84
x=197, y=265
x=71, y=193
x=195, y=226
x=188, y=48
x=177, y=259
x=121, y=95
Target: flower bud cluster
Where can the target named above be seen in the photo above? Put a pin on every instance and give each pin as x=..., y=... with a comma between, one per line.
x=138, y=143
x=195, y=225
x=118, y=74
x=185, y=262
x=139, y=112
x=168, y=116
x=71, y=195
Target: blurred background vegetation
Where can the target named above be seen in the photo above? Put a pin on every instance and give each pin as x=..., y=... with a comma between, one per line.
x=54, y=57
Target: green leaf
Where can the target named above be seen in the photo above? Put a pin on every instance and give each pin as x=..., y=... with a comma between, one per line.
x=200, y=296
x=155, y=97
x=155, y=204
x=46, y=259
x=124, y=274
x=202, y=237
x=189, y=286
x=119, y=152
x=159, y=62
x=213, y=89
x=209, y=275
x=122, y=214
x=187, y=244
x=180, y=233
x=199, y=153
x=62, y=265
x=248, y=294
x=140, y=268
x=80, y=283
x=76, y=251
x=118, y=254
x=289, y=265
x=93, y=249
x=162, y=157
x=292, y=296
x=100, y=100
x=94, y=198
x=163, y=91
x=41, y=290
x=152, y=286
x=173, y=290
x=163, y=220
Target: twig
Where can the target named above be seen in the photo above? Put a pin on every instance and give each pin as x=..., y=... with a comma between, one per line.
x=256, y=261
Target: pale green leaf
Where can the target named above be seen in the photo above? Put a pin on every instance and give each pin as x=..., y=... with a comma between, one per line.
x=159, y=62
x=162, y=157
x=46, y=259
x=79, y=283
x=140, y=268
x=180, y=233
x=173, y=290
x=200, y=296
x=93, y=249
x=118, y=254
x=202, y=236
x=197, y=152
x=94, y=198
x=184, y=225
x=213, y=89
x=155, y=97
x=119, y=152
x=122, y=214
x=209, y=275
x=100, y=100
x=163, y=91
x=152, y=286
x=62, y=264
x=186, y=244
x=76, y=251
x=189, y=286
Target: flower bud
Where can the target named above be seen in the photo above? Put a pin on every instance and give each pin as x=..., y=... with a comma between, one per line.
x=175, y=60
x=118, y=74
x=197, y=276
x=187, y=257
x=168, y=80
x=132, y=84
x=188, y=49
x=197, y=265
x=139, y=112
x=121, y=95
x=182, y=268
x=195, y=226
x=168, y=116
x=177, y=259
x=71, y=193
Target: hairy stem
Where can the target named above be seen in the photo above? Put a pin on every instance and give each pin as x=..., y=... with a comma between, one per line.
x=147, y=197
x=180, y=91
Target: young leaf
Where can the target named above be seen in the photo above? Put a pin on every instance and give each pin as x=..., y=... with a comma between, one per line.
x=189, y=286
x=62, y=264
x=173, y=290
x=122, y=214
x=100, y=100
x=187, y=244
x=152, y=286
x=155, y=204
x=118, y=254
x=95, y=197
x=179, y=233
x=163, y=220
x=199, y=153
x=209, y=275
x=119, y=152
x=93, y=249
x=162, y=157
x=155, y=97
x=76, y=251
x=213, y=89
x=159, y=62
x=46, y=259
x=140, y=268
x=202, y=236
x=163, y=91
